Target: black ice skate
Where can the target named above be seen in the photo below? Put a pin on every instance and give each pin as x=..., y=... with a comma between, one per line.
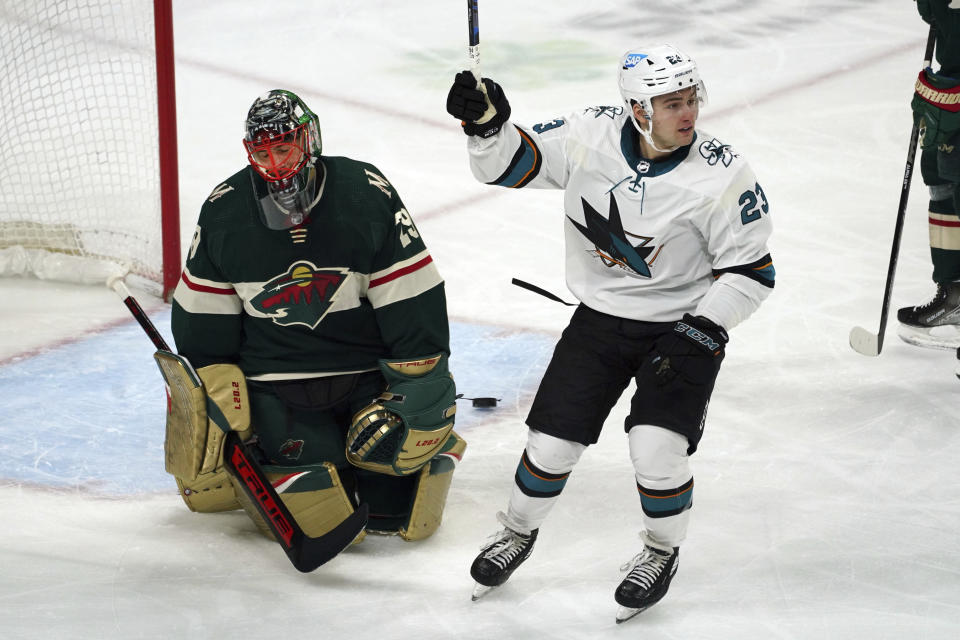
x=500, y=558
x=648, y=578
x=936, y=323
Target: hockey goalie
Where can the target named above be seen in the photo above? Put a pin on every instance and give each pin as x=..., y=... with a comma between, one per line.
x=311, y=319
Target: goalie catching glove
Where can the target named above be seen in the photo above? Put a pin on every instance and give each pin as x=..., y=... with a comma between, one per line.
x=408, y=424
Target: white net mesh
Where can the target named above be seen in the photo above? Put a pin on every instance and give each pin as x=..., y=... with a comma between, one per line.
x=79, y=179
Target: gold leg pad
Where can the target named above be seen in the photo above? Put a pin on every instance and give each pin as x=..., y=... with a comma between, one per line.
x=432, y=488
x=209, y=493
x=313, y=494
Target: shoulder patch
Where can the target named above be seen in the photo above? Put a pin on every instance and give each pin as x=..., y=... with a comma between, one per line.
x=219, y=191
x=604, y=111
x=716, y=152
x=379, y=182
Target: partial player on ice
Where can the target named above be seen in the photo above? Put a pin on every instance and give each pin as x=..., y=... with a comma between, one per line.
x=310, y=297
x=666, y=231
x=936, y=322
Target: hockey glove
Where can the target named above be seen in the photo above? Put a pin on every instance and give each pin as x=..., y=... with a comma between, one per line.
x=934, y=110
x=482, y=111
x=692, y=351
x=402, y=429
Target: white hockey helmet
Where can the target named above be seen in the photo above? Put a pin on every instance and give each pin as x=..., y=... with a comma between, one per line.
x=647, y=72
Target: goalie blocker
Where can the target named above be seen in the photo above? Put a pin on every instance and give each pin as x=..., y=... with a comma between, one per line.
x=204, y=404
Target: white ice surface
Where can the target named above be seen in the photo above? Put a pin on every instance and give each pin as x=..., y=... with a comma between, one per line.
x=826, y=500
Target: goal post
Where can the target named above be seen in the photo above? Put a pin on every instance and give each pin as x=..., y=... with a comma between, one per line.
x=88, y=150
x=167, y=147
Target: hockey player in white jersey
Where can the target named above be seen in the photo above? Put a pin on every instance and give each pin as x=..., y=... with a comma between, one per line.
x=666, y=249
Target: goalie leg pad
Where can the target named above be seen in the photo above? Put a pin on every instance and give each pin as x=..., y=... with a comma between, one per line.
x=313, y=493
x=411, y=506
x=432, y=489
x=186, y=436
x=389, y=499
x=209, y=492
x=202, y=405
x=228, y=409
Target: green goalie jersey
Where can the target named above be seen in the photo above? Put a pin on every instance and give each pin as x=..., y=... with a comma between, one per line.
x=354, y=283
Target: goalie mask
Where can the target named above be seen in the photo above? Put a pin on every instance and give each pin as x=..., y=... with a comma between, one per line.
x=283, y=146
x=646, y=73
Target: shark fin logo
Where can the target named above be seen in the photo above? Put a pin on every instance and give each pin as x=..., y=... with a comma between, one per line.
x=611, y=242
x=714, y=151
x=302, y=295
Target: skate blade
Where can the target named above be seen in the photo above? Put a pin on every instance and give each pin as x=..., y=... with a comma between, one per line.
x=479, y=591
x=625, y=613
x=942, y=337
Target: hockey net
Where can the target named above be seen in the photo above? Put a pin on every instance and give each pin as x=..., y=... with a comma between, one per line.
x=80, y=187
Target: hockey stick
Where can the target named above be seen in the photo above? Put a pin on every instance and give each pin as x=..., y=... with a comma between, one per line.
x=473, y=38
x=543, y=292
x=305, y=553
x=862, y=341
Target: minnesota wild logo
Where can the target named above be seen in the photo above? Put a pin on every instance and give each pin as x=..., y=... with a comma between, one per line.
x=302, y=295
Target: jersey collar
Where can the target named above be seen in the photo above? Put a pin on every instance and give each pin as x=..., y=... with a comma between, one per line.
x=630, y=148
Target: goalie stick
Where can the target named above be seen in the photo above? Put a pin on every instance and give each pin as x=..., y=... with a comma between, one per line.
x=863, y=341
x=305, y=553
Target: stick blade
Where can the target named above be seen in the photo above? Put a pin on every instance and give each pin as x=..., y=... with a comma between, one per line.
x=865, y=342
x=314, y=552
x=304, y=552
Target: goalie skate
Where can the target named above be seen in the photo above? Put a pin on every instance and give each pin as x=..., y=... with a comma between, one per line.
x=500, y=558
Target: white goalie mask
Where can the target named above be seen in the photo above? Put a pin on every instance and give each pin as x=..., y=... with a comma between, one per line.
x=646, y=73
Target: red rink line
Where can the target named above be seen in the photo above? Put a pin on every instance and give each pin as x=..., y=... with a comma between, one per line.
x=76, y=337
x=448, y=124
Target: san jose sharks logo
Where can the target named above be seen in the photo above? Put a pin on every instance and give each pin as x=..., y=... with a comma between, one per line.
x=302, y=295
x=612, y=244
x=715, y=151
x=603, y=111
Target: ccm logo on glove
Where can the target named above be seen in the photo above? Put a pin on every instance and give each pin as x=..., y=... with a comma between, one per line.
x=698, y=336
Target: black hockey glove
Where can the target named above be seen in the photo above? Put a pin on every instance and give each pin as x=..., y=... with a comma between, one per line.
x=693, y=351
x=481, y=113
